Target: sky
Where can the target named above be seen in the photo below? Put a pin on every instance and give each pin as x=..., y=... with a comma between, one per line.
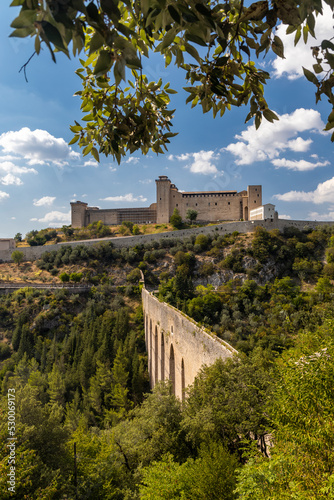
x=40, y=174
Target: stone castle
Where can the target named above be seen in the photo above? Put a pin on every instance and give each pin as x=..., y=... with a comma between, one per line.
x=211, y=206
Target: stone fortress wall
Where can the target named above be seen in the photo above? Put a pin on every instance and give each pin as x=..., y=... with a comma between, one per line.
x=33, y=253
x=211, y=206
x=177, y=346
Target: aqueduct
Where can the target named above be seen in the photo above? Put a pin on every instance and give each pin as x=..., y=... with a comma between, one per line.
x=177, y=346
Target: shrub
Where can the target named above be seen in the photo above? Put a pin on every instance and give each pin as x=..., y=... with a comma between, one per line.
x=64, y=277
x=134, y=276
x=176, y=219
x=202, y=241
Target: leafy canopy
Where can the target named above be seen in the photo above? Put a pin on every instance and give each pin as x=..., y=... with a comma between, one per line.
x=214, y=43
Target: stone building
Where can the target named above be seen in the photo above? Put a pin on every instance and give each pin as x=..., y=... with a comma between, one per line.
x=211, y=206
x=265, y=212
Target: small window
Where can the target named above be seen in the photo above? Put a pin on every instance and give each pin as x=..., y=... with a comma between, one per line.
x=215, y=203
x=177, y=204
x=228, y=203
x=196, y=204
x=209, y=204
x=258, y=195
x=160, y=199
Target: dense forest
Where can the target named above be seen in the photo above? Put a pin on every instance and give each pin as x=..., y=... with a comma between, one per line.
x=259, y=426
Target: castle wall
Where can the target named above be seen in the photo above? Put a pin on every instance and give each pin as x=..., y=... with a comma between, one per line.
x=177, y=346
x=210, y=207
x=33, y=253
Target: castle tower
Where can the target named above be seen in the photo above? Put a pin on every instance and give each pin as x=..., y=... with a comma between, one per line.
x=163, y=199
x=78, y=213
x=252, y=200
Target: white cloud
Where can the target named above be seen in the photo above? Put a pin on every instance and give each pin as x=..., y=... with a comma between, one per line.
x=112, y=169
x=327, y=216
x=126, y=197
x=301, y=55
x=44, y=201
x=3, y=195
x=11, y=180
x=10, y=168
x=322, y=194
x=91, y=163
x=133, y=160
x=299, y=165
x=33, y=219
x=146, y=181
x=300, y=145
x=270, y=139
x=13, y=218
x=285, y=217
x=37, y=147
x=56, y=218
x=201, y=162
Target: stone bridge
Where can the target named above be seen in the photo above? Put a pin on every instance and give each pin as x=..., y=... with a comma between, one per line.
x=177, y=346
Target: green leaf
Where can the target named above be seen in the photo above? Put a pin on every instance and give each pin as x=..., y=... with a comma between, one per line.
x=53, y=35
x=174, y=14
x=193, y=52
x=74, y=140
x=310, y=76
x=87, y=149
x=167, y=40
x=96, y=42
x=317, y=68
x=326, y=44
x=278, y=47
x=95, y=154
x=103, y=63
x=297, y=35
x=258, y=119
x=196, y=39
x=270, y=115
x=25, y=19
x=119, y=71
x=22, y=32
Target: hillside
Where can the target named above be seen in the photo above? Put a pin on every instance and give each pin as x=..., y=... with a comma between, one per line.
x=78, y=365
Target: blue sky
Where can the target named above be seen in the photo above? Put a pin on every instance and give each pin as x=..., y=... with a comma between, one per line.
x=40, y=174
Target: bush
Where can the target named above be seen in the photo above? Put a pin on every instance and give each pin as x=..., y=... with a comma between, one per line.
x=176, y=219
x=134, y=276
x=64, y=277
x=202, y=241
x=135, y=229
x=17, y=256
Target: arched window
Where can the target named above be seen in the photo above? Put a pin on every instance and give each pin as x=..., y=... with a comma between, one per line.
x=172, y=368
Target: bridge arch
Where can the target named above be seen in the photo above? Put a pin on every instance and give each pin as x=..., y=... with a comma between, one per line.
x=172, y=368
x=156, y=355
x=183, y=381
x=162, y=365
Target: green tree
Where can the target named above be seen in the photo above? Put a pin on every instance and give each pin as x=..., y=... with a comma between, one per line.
x=18, y=237
x=17, y=257
x=191, y=215
x=115, y=39
x=301, y=409
x=176, y=219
